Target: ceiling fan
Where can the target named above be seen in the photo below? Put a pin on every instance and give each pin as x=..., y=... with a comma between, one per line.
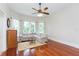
x=41, y=10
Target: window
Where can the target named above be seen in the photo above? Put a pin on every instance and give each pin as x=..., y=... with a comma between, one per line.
x=41, y=27
x=26, y=27
x=29, y=27
x=33, y=27
x=15, y=25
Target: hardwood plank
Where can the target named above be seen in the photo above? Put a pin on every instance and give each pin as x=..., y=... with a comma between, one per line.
x=52, y=48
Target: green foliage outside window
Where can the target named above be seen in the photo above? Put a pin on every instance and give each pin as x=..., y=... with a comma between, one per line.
x=30, y=27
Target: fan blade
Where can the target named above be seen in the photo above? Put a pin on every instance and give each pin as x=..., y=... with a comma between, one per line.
x=34, y=9
x=45, y=13
x=45, y=8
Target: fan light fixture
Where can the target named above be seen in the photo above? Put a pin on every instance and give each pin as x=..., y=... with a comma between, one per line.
x=41, y=11
x=39, y=14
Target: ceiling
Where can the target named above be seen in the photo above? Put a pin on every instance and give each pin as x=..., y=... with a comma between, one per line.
x=26, y=8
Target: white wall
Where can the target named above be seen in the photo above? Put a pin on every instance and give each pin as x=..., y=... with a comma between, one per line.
x=4, y=13
x=2, y=32
x=64, y=26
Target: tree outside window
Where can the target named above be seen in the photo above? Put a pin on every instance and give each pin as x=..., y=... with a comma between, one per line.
x=30, y=27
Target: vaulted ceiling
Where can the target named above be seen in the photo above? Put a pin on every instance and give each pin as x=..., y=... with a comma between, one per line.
x=26, y=8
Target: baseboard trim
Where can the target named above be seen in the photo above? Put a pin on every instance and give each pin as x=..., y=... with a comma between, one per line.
x=3, y=52
x=72, y=45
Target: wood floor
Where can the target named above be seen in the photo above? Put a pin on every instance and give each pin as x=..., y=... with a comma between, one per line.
x=52, y=48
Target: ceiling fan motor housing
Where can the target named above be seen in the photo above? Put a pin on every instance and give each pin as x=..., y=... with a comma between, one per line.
x=39, y=3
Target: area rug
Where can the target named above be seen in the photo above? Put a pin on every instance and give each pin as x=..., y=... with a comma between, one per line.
x=26, y=45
